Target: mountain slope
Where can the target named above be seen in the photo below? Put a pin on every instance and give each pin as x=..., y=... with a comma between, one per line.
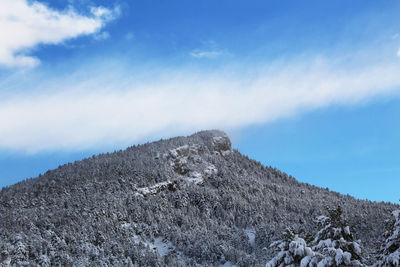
x=185, y=201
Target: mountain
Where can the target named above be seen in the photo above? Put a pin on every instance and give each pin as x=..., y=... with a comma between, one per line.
x=186, y=201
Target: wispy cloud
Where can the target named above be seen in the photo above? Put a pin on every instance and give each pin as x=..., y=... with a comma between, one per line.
x=208, y=49
x=105, y=13
x=205, y=54
x=25, y=24
x=102, y=36
x=103, y=111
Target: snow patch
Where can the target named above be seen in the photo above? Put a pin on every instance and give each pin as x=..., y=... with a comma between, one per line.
x=252, y=236
x=198, y=178
x=195, y=177
x=159, y=245
x=162, y=247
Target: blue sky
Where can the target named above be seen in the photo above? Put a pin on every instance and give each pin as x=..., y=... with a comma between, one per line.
x=310, y=87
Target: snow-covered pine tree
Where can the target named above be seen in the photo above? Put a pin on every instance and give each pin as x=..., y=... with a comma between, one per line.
x=333, y=245
x=390, y=250
x=335, y=242
x=291, y=250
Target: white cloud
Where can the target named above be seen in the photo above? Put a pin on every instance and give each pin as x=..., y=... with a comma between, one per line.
x=100, y=11
x=105, y=13
x=205, y=54
x=24, y=25
x=398, y=52
x=118, y=111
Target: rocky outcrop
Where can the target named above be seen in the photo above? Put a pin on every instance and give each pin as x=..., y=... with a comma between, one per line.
x=189, y=163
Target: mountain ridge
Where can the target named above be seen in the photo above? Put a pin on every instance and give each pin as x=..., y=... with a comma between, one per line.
x=182, y=201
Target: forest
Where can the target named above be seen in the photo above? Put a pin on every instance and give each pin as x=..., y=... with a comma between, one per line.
x=188, y=201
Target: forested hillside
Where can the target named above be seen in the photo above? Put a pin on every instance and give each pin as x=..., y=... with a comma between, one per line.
x=186, y=201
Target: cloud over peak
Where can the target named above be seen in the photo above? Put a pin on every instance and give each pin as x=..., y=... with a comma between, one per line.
x=114, y=108
x=23, y=25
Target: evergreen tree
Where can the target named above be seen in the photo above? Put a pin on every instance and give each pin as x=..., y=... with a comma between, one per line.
x=292, y=249
x=335, y=241
x=390, y=250
x=333, y=245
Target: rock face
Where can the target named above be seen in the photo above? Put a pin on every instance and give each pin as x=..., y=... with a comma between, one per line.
x=186, y=201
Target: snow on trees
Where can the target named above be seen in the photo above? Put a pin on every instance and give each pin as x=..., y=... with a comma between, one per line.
x=112, y=208
x=292, y=249
x=333, y=245
x=390, y=250
x=335, y=241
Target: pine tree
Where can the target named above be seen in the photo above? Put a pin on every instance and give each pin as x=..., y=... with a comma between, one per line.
x=335, y=241
x=292, y=249
x=333, y=245
x=390, y=250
